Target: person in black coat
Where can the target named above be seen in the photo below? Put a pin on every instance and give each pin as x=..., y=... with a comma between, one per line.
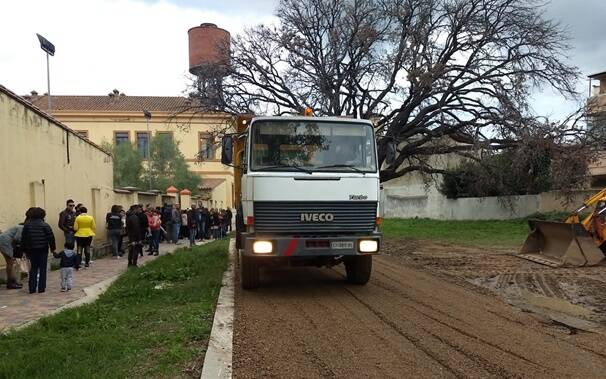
x=143, y=224
x=36, y=238
x=135, y=237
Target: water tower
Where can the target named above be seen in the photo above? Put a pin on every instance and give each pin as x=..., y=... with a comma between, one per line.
x=209, y=61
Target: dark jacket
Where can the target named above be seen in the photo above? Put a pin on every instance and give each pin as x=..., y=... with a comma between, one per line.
x=66, y=220
x=114, y=221
x=37, y=234
x=167, y=215
x=133, y=228
x=143, y=223
x=192, y=222
x=68, y=258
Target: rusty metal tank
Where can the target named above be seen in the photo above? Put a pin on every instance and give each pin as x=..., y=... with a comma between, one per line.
x=208, y=50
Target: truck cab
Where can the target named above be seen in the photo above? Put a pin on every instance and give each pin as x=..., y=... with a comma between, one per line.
x=307, y=194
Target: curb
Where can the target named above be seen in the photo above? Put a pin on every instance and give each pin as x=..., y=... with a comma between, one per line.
x=218, y=359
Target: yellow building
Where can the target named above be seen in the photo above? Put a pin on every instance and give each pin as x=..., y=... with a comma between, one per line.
x=117, y=118
x=43, y=163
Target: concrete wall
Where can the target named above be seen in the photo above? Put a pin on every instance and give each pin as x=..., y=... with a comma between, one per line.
x=187, y=129
x=397, y=204
x=36, y=172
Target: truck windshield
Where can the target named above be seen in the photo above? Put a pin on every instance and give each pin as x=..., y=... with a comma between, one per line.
x=280, y=145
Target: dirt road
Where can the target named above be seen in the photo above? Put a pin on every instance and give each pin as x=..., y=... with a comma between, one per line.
x=306, y=322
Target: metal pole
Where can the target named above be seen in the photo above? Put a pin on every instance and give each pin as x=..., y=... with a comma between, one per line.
x=48, y=83
x=149, y=160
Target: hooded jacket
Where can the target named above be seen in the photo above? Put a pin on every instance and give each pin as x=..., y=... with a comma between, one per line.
x=69, y=258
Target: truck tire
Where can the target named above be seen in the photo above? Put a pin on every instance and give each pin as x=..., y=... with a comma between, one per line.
x=249, y=272
x=358, y=269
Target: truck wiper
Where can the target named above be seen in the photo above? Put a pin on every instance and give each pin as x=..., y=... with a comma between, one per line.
x=289, y=166
x=343, y=165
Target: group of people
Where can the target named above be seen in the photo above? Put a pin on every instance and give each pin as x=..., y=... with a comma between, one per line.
x=34, y=238
x=142, y=226
x=195, y=223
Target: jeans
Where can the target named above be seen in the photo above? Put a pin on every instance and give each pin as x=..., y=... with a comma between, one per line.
x=192, y=237
x=67, y=278
x=135, y=249
x=175, y=234
x=69, y=237
x=38, y=259
x=154, y=242
x=114, y=237
x=201, y=230
x=84, y=246
x=13, y=270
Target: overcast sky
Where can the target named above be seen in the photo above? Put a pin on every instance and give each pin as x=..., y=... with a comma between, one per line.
x=140, y=47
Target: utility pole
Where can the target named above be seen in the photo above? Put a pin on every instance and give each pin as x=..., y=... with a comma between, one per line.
x=147, y=114
x=49, y=48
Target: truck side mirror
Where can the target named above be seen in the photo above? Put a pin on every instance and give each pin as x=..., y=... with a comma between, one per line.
x=390, y=155
x=227, y=145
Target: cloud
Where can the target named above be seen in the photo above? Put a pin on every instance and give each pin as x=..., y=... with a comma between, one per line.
x=140, y=48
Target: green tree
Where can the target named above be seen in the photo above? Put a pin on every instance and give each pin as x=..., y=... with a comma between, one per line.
x=168, y=165
x=128, y=164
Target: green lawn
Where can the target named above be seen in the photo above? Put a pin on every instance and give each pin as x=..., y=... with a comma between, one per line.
x=152, y=322
x=508, y=233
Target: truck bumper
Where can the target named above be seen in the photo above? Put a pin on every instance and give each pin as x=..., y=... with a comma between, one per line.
x=291, y=246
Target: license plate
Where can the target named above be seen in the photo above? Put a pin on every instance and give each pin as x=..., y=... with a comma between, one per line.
x=341, y=245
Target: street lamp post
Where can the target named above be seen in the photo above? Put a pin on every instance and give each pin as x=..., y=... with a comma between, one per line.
x=49, y=48
x=147, y=114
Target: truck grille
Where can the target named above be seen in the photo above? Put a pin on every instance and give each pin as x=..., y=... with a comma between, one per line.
x=285, y=217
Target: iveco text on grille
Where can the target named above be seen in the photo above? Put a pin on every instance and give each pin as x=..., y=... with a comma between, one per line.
x=317, y=217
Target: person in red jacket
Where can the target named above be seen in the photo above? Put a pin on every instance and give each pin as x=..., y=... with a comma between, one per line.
x=154, y=221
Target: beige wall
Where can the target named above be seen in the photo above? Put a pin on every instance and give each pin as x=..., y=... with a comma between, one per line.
x=186, y=129
x=35, y=170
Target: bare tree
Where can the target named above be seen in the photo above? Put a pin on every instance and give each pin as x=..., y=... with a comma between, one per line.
x=436, y=76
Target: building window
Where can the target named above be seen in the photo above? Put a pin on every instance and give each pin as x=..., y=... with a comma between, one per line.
x=165, y=134
x=142, y=143
x=82, y=133
x=121, y=137
x=206, y=146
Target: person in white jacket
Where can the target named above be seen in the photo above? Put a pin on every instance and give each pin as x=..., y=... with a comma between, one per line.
x=13, y=269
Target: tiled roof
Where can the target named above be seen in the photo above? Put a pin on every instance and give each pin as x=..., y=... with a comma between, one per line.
x=211, y=183
x=38, y=110
x=114, y=102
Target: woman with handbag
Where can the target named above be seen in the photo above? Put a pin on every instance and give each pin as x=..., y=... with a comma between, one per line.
x=10, y=247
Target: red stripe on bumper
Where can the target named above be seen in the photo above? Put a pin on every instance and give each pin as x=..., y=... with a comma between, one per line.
x=290, y=249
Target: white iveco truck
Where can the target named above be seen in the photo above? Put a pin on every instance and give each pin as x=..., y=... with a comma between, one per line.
x=306, y=192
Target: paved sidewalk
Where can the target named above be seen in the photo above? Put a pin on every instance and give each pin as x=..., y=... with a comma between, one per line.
x=18, y=307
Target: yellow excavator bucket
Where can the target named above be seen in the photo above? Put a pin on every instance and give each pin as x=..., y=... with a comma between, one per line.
x=560, y=244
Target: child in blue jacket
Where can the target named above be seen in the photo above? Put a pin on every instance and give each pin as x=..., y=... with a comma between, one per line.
x=69, y=260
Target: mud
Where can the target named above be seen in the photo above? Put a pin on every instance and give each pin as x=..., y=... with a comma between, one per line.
x=407, y=322
x=579, y=292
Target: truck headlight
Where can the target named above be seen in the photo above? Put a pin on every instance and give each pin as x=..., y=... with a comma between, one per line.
x=368, y=246
x=262, y=247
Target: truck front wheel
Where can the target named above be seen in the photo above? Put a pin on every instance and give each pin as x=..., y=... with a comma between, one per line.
x=249, y=272
x=358, y=268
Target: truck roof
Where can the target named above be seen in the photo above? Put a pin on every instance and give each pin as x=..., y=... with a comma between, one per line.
x=307, y=118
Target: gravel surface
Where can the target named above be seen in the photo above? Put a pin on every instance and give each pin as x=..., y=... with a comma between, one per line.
x=307, y=322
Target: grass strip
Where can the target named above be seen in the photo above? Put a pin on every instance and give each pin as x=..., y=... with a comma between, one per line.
x=153, y=322
x=505, y=233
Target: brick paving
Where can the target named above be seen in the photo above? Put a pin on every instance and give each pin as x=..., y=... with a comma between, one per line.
x=18, y=306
